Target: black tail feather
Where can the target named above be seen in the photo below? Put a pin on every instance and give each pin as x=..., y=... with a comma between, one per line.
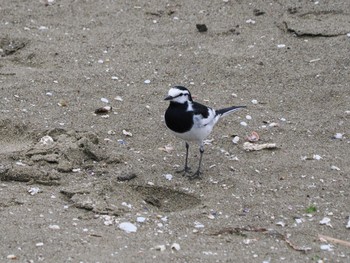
x=228, y=110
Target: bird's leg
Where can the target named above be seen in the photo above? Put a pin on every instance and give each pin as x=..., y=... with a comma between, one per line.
x=198, y=172
x=186, y=168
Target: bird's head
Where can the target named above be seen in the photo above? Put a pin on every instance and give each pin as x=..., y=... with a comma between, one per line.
x=179, y=94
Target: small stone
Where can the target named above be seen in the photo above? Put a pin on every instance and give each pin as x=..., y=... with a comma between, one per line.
x=128, y=227
x=201, y=28
x=46, y=140
x=140, y=219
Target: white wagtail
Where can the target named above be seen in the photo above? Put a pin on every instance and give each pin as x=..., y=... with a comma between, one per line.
x=191, y=121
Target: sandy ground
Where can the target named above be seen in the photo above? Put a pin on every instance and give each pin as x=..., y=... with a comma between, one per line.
x=63, y=191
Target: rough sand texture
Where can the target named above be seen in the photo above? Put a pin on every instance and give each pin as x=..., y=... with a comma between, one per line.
x=63, y=200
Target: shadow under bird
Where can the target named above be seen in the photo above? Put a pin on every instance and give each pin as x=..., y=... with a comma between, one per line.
x=192, y=121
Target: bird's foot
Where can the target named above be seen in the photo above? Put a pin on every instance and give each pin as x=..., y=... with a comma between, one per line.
x=196, y=175
x=184, y=171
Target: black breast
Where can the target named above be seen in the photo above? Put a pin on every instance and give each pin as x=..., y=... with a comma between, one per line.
x=177, y=118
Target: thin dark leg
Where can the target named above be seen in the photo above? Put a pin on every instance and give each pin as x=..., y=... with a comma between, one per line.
x=186, y=168
x=198, y=172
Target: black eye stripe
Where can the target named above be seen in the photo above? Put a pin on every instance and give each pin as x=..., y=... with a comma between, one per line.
x=180, y=95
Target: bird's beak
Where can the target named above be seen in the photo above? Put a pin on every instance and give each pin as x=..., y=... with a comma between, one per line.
x=168, y=97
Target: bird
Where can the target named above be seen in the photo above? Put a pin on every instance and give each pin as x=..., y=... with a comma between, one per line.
x=192, y=122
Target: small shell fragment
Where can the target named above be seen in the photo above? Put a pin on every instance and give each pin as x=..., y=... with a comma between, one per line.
x=336, y=168
x=118, y=98
x=54, y=227
x=253, y=137
x=127, y=133
x=235, y=139
x=34, y=190
x=104, y=100
x=348, y=224
x=338, y=136
x=243, y=123
x=326, y=221
x=11, y=257
x=103, y=110
x=254, y=101
x=317, y=157
x=175, y=246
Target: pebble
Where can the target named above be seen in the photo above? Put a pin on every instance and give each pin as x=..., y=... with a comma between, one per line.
x=281, y=45
x=254, y=101
x=333, y=167
x=248, y=117
x=128, y=227
x=140, y=219
x=243, y=123
x=338, y=136
x=168, y=176
x=104, y=100
x=46, y=140
x=147, y=81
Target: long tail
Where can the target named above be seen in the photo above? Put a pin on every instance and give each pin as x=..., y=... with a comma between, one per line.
x=225, y=111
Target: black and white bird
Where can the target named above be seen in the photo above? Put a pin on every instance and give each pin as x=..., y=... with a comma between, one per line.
x=192, y=121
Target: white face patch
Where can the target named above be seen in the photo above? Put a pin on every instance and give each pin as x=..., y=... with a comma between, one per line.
x=180, y=96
